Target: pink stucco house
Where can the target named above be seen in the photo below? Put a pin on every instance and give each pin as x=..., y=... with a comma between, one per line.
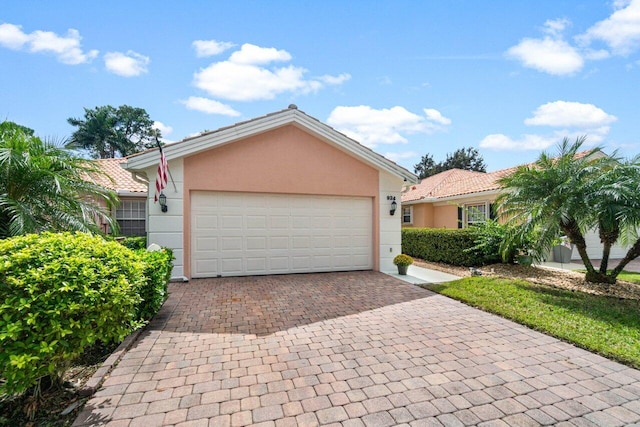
x=281, y=193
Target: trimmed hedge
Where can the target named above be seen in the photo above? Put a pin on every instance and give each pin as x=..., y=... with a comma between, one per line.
x=450, y=246
x=135, y=242
x=61, y=292
x=157, y=272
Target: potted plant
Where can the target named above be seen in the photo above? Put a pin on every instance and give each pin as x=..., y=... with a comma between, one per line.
x=562, y=250
x=403, y=262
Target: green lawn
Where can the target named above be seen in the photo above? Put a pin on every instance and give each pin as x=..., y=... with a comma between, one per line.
x=629, y=276
x=605, y=325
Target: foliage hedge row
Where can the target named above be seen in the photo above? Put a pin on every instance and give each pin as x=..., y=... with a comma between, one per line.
x=451, y=246
x=61, y=292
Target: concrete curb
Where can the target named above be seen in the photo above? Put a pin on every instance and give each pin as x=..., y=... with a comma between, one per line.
x=92, y=385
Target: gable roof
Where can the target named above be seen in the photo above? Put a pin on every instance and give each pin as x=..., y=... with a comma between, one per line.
x=242, y=130
x=121, y=180
x=452, y=182
x=459, y=182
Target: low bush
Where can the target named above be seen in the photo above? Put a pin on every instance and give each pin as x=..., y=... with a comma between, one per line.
x=60, y=293
x=492, y=244
x=135, y=242
x=157, y=272
x=451, y=246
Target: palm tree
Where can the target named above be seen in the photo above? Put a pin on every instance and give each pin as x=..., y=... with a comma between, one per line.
x=570, y=194
x=45, y=187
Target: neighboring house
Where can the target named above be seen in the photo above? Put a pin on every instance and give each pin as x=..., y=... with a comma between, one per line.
x=131, y=213
x=283, y=193
x=460, y=198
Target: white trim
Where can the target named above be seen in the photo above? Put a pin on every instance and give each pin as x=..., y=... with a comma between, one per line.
x=243, y=130
x=465, y=211
x=410, y=215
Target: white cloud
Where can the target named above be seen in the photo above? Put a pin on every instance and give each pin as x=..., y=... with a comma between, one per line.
x=436, y=116
x=209, y=106
x=128, y=64
x=555, y=27
x=501, y=142
x=553, y=56
x=620, y=31
x=335, y=80
x=571, y=120
x=397, y=157
x=210, y=47
x=66, y=48
x=569, y=114
x=246, y=76
x=251, y=54
x=11, y=36
x=385, y=126
x=164, y=129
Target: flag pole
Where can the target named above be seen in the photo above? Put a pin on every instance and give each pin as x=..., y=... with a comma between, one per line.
x=168, y=170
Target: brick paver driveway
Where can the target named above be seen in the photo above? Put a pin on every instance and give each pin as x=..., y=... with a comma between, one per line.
x=351, y=349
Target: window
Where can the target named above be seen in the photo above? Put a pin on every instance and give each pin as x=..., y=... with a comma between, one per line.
x=406, y=215
x=476, y=214
x=131, y=215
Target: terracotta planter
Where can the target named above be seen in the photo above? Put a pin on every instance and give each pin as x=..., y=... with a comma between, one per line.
x=402, y=270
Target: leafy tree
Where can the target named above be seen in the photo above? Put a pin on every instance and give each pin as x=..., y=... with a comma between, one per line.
x=463, y=158
x=109, y=132
x=571, y=194
x=44, y=187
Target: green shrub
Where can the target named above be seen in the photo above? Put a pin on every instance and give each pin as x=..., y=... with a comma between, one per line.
x=451, y=246
x=135, y=242
x=157, y=272
x=60, y=293
x=490, y=239
x=403, y=260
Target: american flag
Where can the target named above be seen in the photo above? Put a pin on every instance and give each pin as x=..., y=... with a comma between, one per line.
x=161, y=176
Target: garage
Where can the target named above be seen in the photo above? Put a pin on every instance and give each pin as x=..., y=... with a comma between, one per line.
x=594, y=248
x=246, y=234
x=278, y=194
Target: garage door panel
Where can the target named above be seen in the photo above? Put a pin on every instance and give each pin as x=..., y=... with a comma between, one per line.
x=206, y=244
x=249, y=234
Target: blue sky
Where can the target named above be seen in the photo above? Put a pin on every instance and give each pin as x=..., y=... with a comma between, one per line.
x=406, y=78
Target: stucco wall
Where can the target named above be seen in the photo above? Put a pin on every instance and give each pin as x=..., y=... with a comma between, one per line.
x=445, y=216
x=286, y=160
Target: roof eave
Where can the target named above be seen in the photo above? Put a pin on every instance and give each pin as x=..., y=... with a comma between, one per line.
x=264, y=124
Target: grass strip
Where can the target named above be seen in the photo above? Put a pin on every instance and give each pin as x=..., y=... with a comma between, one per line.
x=606, y=325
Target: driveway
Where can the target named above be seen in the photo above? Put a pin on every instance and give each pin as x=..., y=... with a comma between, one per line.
x=351, y=349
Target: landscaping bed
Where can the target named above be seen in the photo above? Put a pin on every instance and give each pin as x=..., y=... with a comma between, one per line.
x=564, y=279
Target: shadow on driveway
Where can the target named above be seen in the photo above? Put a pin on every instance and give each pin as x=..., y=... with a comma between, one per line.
x=263, y=305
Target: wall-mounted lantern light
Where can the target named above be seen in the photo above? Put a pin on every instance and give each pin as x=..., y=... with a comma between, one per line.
x=162, y=199
x=394, y=206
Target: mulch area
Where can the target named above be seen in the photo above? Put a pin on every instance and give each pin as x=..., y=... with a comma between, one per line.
x=563, y=279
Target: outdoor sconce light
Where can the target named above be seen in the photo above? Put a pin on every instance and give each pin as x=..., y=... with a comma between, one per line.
x=163, y=202
x=394, y=206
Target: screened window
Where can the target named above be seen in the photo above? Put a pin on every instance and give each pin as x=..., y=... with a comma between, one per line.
x=406, y=215
x=131, y=215
x=476, y=214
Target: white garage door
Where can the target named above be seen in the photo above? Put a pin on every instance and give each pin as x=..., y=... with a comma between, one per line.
x=594, y=248
x=244, y=234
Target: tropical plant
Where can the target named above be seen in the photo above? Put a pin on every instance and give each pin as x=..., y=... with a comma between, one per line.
x=45, y=187
x=463, y=158
x=571, y=194
x=108, y=132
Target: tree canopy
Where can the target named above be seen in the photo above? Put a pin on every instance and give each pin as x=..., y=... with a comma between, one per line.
x=108, y=132
x=463, y=158
x=571, y=194
x=45, y=187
